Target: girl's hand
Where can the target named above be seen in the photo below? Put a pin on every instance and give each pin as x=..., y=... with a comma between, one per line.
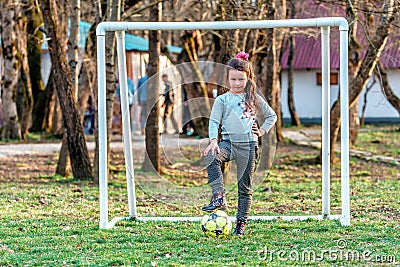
x=213, y=146
x=259, y=132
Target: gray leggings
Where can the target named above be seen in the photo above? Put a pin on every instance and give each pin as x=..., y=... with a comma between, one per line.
x=245, y=156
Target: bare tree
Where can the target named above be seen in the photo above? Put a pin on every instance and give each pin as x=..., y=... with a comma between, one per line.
x=268, y=70
x=80, y=160
x=64, y=163
x=91, y=68
x=152, y=156
x=363, y=68
x=73, y=42
x=24, y=89
x=41, y=98
x=354, y=62
x=112, y=13
x=9, y=18
x=292, y=109
x=50, y=105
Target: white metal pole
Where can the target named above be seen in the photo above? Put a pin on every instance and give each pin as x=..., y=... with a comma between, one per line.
x=260, y=24
x=325, y=121
x=101, y=107
x=126, y=122
x=219, y=25
x=344, y=113
x=263, y=218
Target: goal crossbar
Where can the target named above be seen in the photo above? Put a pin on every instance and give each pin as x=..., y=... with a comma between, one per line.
x=324, y=23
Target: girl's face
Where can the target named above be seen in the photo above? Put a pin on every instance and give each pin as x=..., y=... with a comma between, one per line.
x=237, y=81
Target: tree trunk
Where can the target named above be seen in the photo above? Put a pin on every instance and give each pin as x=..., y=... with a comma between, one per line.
x=80, y=160
x=267, y=72
x=373, y=52
x=367, y=89
x=167, y=10
x=280, y=13
x=292, y=109
x=73, y=46
x=152, y=155
x=354, y=62
x=50, y=104
x=24, y=91
x=11, y=127
x=114, y=12
x=35, y=37
x=64, y=163
x=227, y=41
x=57, y=120
x=354, y=123
x=268, y=149
x=85, y=88
x=90, y=50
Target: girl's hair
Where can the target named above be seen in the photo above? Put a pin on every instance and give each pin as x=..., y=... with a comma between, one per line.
x=241, y=63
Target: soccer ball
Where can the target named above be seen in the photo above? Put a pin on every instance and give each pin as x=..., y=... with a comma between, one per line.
x=217, y=224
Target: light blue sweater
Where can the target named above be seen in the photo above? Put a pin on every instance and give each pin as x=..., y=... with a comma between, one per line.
x=236, y=126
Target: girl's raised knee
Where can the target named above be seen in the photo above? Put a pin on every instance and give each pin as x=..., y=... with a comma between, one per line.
x=209, y=158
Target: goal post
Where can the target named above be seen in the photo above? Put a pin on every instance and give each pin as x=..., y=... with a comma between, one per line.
x=324, y=23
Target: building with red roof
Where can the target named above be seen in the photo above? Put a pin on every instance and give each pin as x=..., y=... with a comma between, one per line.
x=307, y=72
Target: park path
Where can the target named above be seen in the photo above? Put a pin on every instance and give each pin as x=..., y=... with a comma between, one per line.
x=307, y=137
x=303, y=137
x=167, y=140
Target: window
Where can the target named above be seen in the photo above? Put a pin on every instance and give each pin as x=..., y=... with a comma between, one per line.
x=334, y=78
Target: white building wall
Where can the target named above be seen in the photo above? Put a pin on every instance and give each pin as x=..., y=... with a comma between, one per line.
x=307, y=96
x=377, y=105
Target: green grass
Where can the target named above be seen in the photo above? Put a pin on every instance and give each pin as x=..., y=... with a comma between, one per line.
x=53, y=221
x=384, y=140
x=35, y=137
x=375, y=139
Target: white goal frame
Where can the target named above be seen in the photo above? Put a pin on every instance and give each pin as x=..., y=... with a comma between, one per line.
x=323, y=23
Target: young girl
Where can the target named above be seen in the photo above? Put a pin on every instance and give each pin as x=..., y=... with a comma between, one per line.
x=236, y=111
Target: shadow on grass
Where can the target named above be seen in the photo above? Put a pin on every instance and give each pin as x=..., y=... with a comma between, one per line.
x=302, y=162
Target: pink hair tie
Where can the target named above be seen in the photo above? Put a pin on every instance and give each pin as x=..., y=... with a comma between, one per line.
x=243, y=55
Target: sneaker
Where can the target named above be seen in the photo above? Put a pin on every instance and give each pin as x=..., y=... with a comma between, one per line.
x=239, y=227
x=218, y=202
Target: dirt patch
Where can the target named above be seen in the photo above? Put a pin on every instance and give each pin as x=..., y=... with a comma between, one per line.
x=186, y=163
